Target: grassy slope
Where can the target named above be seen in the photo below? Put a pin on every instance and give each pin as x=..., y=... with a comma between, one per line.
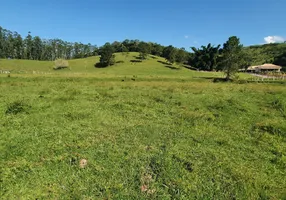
x=183, y=139
x=149, y=67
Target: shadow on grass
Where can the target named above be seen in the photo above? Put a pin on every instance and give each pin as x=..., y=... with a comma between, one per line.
x=137, y=57
x=206, y=77
x=136, y=61
x=100, y=65
x=172, y=67
x=190, y=67
x=218, y=80
x=120, y=61
x=215, y=79
x=164, y=63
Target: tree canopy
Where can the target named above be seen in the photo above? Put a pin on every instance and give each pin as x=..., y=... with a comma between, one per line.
x=232, y=56
x=205, y=58
x=107, y=57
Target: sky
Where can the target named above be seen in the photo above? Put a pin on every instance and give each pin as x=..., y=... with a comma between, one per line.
x=181, y=23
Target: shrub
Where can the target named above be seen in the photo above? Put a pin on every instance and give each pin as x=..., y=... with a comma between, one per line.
x=61, y=64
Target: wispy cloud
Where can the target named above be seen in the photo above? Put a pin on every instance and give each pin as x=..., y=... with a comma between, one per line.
x=195, y=42
x=186, y=37
x=274, y=39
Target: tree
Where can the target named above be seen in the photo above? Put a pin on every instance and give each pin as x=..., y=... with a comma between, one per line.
x=37, y=48
x=144, y=50
x=107, y=57
x=157, y=49
x=116, y=46
x=124, y=50
x=169, y=53
x=232, y=56
x=181, y=55
x=205, y=58
x=19, y=46
x=281, y=60
x=10, y=46
x=28, y=43
x=2, y=43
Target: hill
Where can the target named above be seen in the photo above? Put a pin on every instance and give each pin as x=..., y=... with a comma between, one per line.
x=267, y=53
x=125, y=65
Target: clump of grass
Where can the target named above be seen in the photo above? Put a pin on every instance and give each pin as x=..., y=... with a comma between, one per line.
x=278, y=104
x=61, y=64
x=270, y=127
x=18, y=106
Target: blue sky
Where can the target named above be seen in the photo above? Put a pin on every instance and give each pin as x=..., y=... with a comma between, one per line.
x=182, y=23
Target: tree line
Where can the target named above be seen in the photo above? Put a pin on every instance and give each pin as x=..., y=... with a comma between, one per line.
x=14, y=46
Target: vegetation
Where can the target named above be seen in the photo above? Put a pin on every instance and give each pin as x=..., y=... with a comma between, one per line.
x=13, y=46
x=209, y=58
x=169, y=136
x=206, y=58
x=232, y=55
x=268, y=53
x=140, y=128
x=34, y=48
x=61, y=64
x=170, y=54
x=107, y=57
x=144, y=50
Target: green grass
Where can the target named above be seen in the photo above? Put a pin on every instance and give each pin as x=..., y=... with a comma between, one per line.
x=167, y=131
x=153, y=66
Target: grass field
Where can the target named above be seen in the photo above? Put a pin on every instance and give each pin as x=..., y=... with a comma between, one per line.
x=146, y=131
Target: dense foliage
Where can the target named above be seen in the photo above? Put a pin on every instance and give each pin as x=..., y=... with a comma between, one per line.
x=107, y=56
x=232, y=56
x=267, y=53
x=205, y=58
x=13, y=46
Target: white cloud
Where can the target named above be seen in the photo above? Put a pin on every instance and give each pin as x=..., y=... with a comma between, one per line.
x=274, y=39
x=186, y=37
x=196, y=42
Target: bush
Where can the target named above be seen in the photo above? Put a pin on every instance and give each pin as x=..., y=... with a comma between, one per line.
x=61, y=64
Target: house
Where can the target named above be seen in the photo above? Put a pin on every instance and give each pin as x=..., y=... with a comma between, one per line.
x=264, y=68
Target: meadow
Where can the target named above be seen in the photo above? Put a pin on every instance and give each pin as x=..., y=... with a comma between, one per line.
x=146, y=130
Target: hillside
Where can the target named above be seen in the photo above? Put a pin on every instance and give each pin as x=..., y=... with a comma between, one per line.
x=267, y=53
x=125, y=65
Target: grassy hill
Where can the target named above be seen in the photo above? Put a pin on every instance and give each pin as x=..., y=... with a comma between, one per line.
x=126, y=65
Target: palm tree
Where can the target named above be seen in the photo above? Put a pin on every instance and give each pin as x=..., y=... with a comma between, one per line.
x=206, y=57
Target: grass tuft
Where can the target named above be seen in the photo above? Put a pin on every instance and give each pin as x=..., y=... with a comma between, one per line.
x=16, y=107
